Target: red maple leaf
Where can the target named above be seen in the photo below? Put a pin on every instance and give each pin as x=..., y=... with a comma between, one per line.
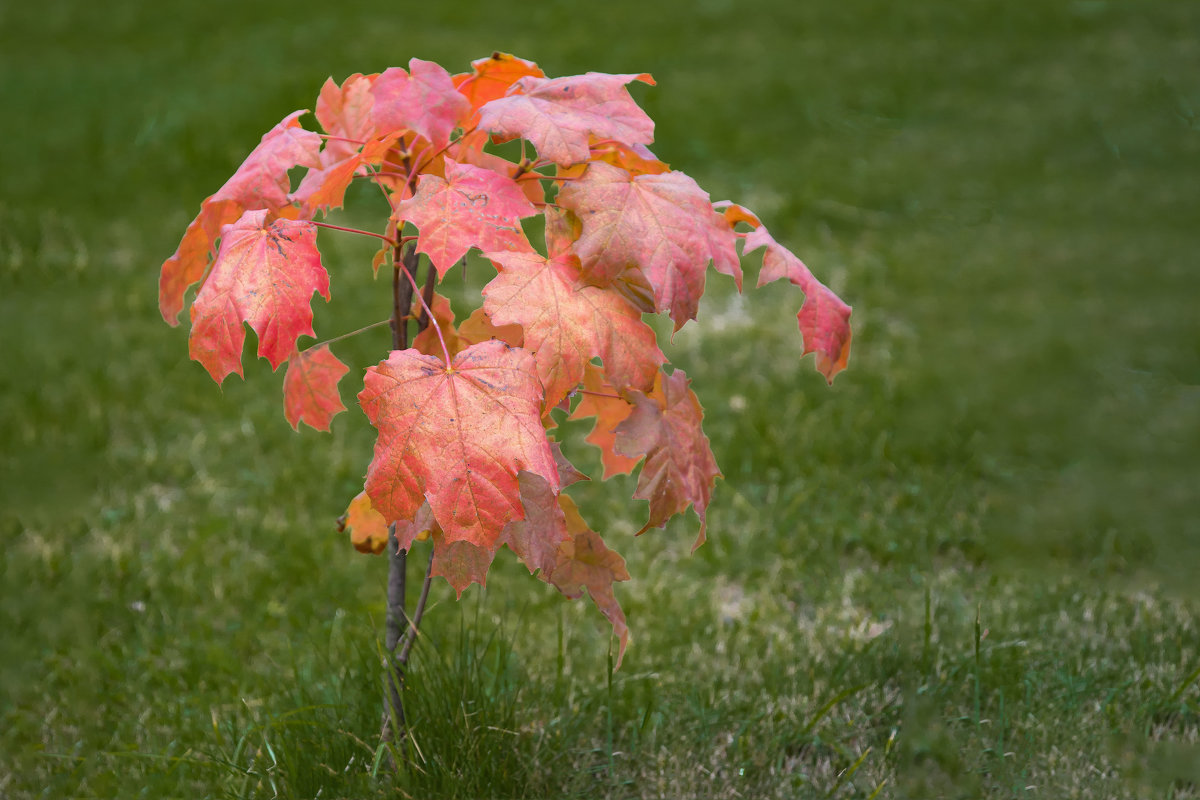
x=662, y=224
x=680, y=469
x=461, y=563
x=424, y=102
x=417, y=529
x=558, y=115
x=824, y=317
x=457, y=435
x=310, y=390
x=468, y=149
x=470, y=207
x=554, y=541
x=583, y=561
x=568, y=322
x=265, y=274
x=536, y=538
x=567, y=473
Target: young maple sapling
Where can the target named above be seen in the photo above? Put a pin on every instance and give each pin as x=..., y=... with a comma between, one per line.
x=466, y=454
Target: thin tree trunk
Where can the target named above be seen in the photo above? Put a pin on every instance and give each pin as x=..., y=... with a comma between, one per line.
x=401, y=631
x=395, y=726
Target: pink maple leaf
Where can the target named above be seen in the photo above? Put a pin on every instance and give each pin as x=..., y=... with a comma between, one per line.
x=559, y=115
x=824, y=318
x=265, y=274
x=470, y=207
x=423, y=101
x=662, y=224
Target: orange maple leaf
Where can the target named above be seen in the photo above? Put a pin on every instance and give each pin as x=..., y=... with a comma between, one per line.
x=325, y=188
x=345, y=113
x=600, y=400
x=310, y=390
x=366, y=526
x=491, y=78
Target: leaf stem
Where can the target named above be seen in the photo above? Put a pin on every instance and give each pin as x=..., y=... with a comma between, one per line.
x=411, y=636
x=421, y=169
x=329, y=137
x=524, y=165
x=412, y=173
x=402, y=262
x=599, y=394
x=387, y=239
x=375, y=172
x=427, y=313
x=381, y=323
x=427, y=297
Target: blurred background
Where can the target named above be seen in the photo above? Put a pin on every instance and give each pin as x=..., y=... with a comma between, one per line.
x=987, y=527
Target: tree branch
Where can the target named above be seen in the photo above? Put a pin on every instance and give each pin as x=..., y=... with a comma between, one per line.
x=411, y=637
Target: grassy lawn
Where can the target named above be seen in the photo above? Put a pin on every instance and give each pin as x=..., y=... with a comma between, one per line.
x=966, y=570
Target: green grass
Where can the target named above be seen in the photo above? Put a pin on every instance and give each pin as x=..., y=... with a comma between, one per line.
x=966, y=570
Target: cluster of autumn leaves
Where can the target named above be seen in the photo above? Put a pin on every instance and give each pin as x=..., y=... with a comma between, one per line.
x=465, y=452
